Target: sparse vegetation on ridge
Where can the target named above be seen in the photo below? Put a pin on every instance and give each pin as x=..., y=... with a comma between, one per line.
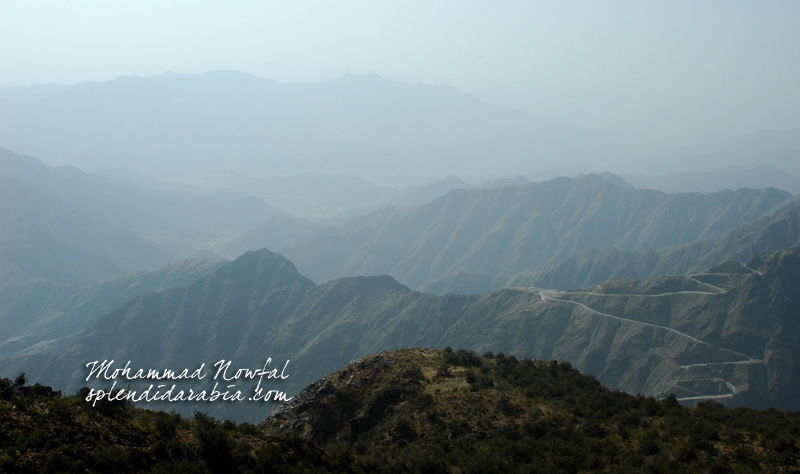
x=42, y=431
x=421, y=410
x=412, y=410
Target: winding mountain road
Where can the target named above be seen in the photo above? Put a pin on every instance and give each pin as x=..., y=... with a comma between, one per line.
x=730, y=386
x=757, y=272
x=548, y=295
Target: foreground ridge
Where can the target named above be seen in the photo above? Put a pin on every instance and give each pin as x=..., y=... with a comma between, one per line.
x=411, y=410
x=426, y=410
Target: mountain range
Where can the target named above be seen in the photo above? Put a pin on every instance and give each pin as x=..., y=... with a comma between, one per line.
x=479, y=233
x=43, y=237
x=310, y=242
x=183, y=125
x=496, y=245
x=729, y=333
x=175, y=222
x=507, y=230
x=772, y=232
x=43, y=315
x=729, y=177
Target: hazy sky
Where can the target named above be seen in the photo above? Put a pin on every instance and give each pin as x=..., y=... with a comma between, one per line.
x=570, y=58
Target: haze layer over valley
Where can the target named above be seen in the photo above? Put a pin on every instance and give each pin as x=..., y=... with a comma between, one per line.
x=616, y=190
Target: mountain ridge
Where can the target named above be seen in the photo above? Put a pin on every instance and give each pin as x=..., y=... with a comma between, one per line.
x=734, y=326
x=42, y=315
x=45, y=237
x=507, y=230
x=768, y=233
x=174, y=222
x=357, y=125
x=444, y=410
x=409, y=410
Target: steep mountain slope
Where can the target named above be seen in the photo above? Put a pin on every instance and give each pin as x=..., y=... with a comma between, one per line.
x=41, y=236
x=172, y=221
x=507, y=230
x=42, y=315
x=229, y=314
x=728, y=334
x=298, y=194
x=776, y=231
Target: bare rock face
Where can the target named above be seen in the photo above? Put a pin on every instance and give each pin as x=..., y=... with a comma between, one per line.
x=337, y=403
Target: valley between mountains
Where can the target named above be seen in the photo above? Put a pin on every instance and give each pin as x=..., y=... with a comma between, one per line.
x=729, y=333
x=688, y=294
x=395, y=238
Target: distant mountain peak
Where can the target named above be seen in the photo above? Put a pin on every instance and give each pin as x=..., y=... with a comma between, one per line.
x=261, y=264
x=616, y=179
x=607, y=176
